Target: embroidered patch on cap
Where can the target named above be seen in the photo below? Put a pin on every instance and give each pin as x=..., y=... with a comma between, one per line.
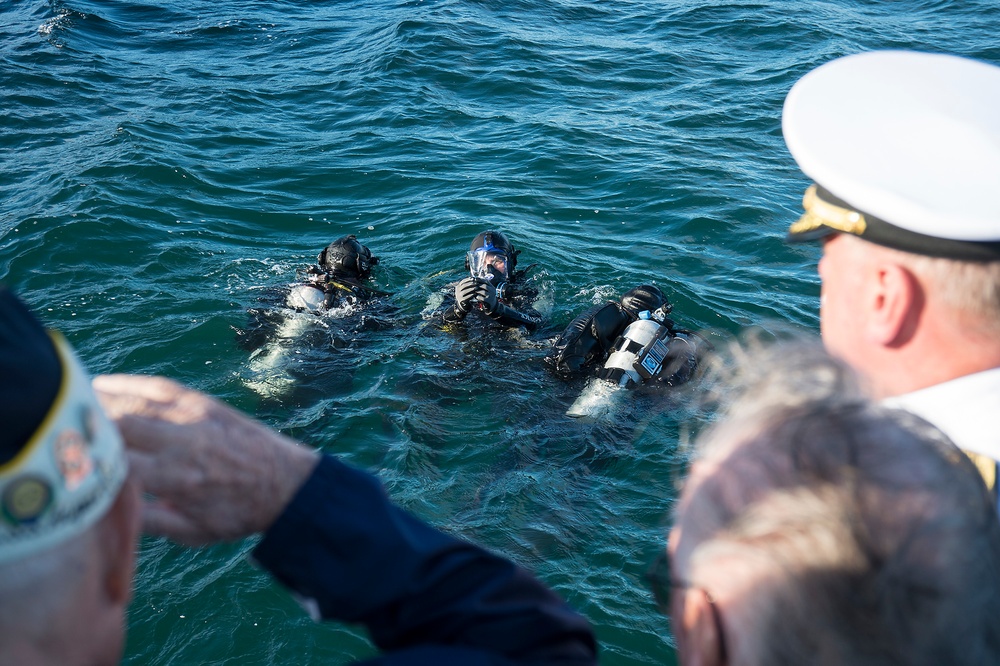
x=25, y=499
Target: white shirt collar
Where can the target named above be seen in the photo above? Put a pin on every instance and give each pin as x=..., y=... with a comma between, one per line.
x=966, y=409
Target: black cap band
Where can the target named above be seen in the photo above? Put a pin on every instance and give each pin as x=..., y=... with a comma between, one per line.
x=828, y=214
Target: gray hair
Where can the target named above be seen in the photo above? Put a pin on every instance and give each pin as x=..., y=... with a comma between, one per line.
x=875, y=538
x=969, y=287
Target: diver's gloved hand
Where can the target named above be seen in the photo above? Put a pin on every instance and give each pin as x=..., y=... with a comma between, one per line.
x=465, y=292
x=487, y=295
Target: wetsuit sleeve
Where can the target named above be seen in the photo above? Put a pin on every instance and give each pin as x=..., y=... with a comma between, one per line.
x=587, y=339
x=453, y=314
x=424, y=596
x=508, y=316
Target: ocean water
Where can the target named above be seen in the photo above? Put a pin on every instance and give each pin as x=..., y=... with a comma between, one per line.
x=166, y=167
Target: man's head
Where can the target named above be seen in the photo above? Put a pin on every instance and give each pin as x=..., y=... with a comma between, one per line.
x=69, y=520
x=904, y=149
x=491, y=256
x=347, y=258
x=819, y=527
x=642, y=298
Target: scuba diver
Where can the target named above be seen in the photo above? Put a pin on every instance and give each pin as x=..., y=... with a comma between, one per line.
x=625, y=344
x=489, y=289
x=337, y=278
x=328, y=309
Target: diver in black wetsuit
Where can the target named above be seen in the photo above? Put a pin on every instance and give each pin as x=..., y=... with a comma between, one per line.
x=337, y=278
x=291, y=336
x=489, y=289
x=629, y=343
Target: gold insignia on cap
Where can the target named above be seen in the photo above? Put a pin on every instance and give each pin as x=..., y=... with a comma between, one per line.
x=25, y=499
x=820, y=213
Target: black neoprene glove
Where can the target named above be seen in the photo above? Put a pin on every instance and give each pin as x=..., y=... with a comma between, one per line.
x=465, y=292
x=488, y=295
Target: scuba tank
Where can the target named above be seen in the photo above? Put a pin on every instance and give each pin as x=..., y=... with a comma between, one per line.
x=325, y=289
x=306, y=297
x=638, y=354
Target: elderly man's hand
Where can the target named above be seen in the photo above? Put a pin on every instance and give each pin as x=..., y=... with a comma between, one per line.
x=210, y=473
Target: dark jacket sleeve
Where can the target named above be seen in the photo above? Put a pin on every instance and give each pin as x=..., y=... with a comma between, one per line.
x=425, y=597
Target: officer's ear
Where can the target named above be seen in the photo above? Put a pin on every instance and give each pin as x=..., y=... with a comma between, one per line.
x=895, y=300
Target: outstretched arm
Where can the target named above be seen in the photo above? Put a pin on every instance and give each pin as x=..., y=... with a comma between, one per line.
x=332, y=535
x=425, y=596
x=499, y=311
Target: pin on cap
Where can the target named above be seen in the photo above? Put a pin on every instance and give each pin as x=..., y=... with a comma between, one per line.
x=69, y=471
x=904, y=148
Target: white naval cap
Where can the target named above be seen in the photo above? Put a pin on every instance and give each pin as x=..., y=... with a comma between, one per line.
x=904, y=148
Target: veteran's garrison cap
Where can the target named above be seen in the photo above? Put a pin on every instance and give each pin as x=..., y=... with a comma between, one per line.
x=904, y=150
x=61, y=459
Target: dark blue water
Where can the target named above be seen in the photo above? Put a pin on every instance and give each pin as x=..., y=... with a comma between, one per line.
x=165, y=166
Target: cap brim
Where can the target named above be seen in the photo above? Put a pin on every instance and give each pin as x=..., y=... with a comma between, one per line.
x=828, y=214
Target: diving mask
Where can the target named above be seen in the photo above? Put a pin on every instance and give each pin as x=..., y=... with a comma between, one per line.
x=489, y=265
